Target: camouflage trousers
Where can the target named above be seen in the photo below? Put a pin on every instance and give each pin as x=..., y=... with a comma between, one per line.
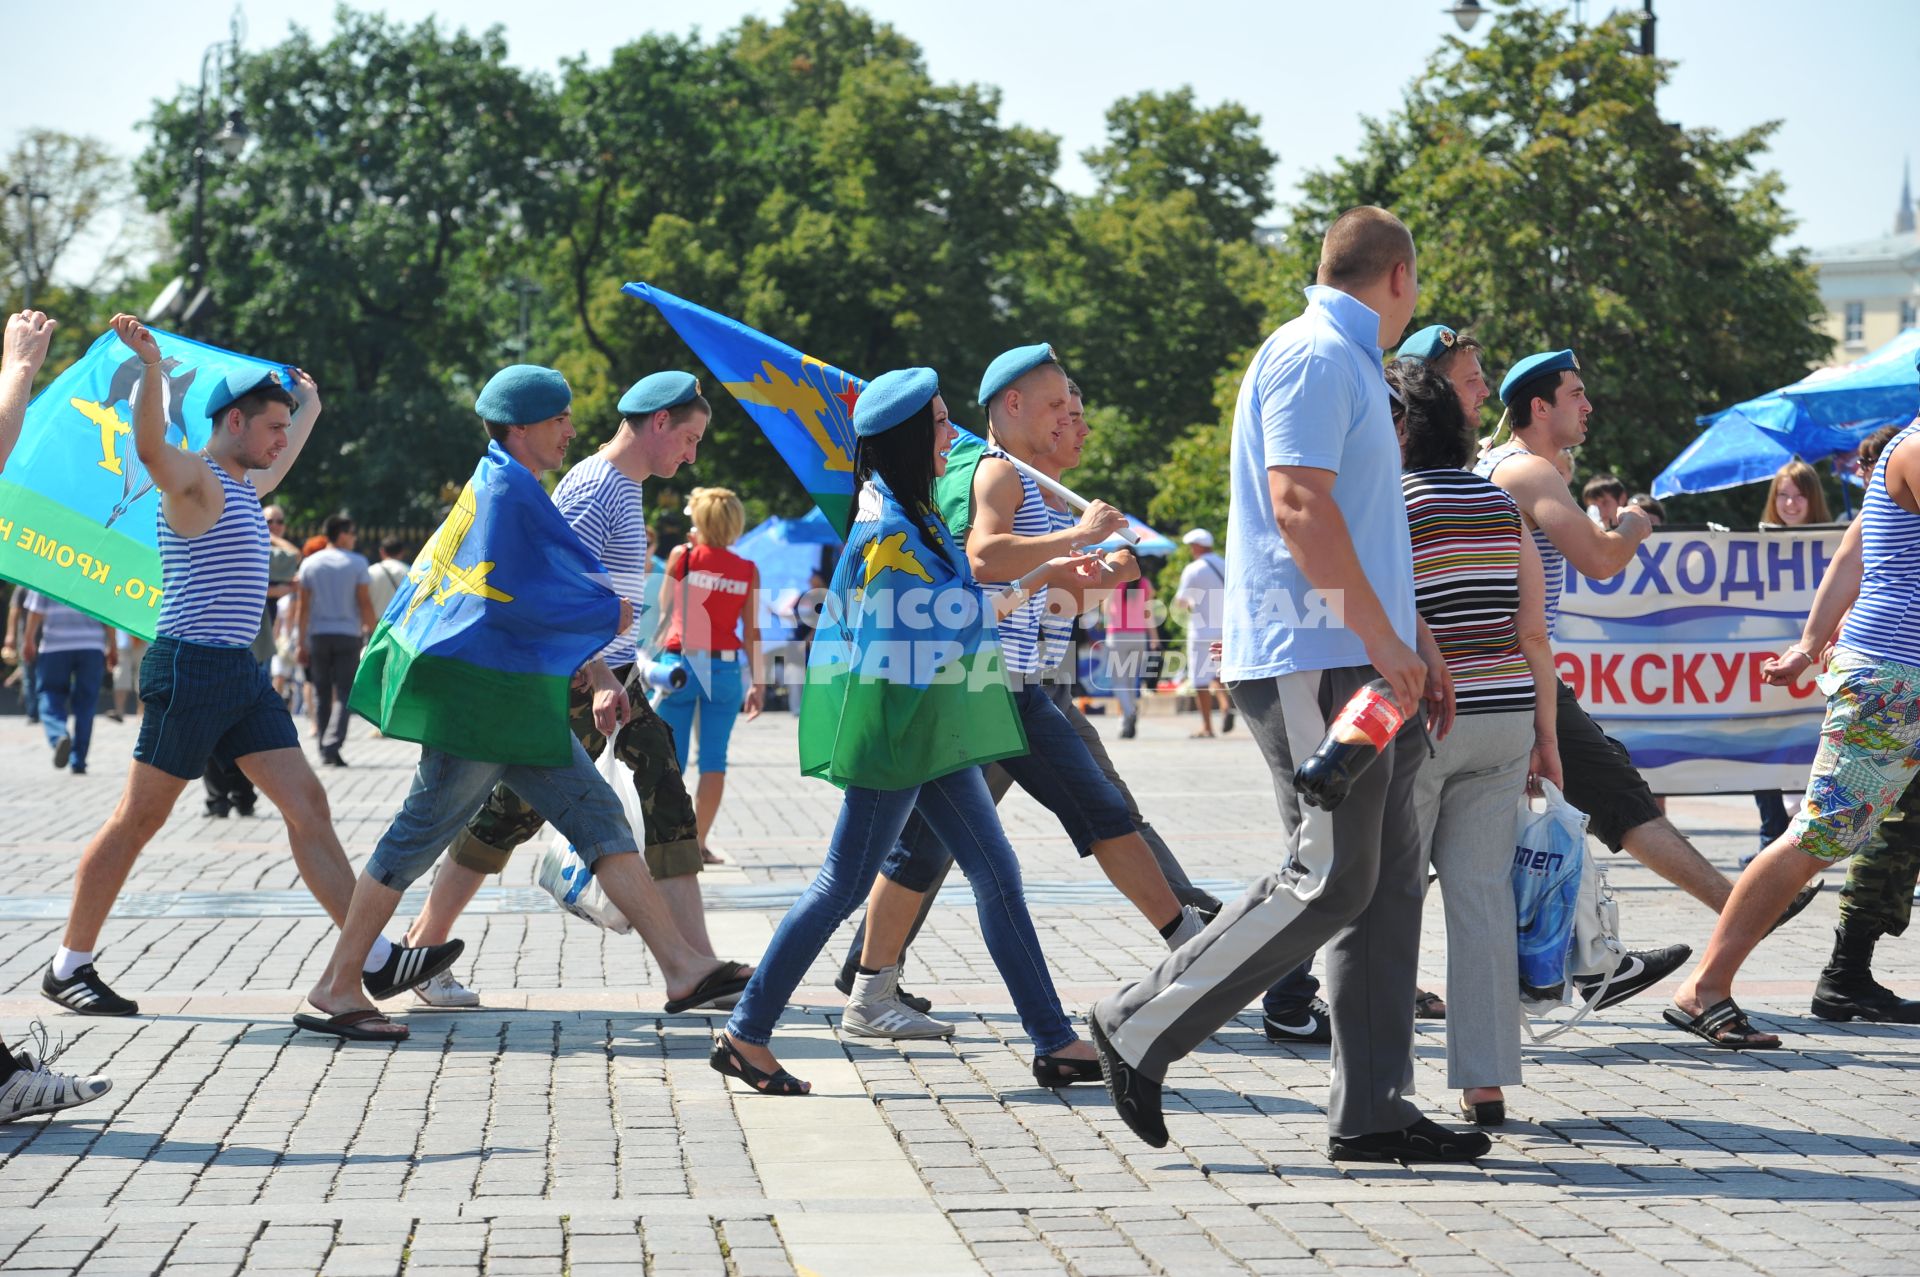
x=1879, y=893
x=645, y=747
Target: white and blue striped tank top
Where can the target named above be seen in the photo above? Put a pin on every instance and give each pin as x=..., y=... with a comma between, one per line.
x=1020, y=629
x=1553, y=564
x=214, y=586
x=1056, y=632
x=1885, y=620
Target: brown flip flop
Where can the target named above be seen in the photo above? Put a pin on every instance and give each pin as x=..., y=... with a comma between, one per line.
x=353, y=1026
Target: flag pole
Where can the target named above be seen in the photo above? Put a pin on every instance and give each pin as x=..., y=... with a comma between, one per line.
x=1053, y=487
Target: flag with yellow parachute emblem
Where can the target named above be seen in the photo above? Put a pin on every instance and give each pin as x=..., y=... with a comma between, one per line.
x=905, y=681
x=503, y=604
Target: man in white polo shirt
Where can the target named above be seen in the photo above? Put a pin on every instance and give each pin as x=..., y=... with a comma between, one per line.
x=1202, y=596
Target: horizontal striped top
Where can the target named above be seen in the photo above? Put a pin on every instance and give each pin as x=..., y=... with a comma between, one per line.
x=1885, y=620
x=215, y=584
x=1020, y=628
x=1056, y=632
x=1553, y=564
x=1466, y=583
x=608, y=513
x=63, y=629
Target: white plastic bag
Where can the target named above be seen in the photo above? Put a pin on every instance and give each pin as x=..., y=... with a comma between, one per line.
x=1593, y=946
x=565, y=877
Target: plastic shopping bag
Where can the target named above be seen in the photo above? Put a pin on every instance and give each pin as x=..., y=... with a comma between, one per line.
x=566, y=877
x=1549, y=857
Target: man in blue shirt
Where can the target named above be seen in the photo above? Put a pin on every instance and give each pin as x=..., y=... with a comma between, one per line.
x=1319, y=603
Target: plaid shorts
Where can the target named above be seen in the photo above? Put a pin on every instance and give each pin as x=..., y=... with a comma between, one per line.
x=1869, y=748
x=198, y=699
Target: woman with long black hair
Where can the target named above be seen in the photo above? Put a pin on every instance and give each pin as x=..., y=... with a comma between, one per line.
x=905, y=703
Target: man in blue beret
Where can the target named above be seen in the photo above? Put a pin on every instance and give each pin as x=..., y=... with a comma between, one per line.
x=1317, y=515
x=1548, y=409
x=205, y=693
x=663, y=418
x=1455, y=355
x=527, y=411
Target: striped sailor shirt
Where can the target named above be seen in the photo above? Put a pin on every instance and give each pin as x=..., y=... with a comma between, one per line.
x=214, y=586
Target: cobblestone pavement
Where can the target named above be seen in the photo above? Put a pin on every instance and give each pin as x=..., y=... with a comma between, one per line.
x=572, y=1127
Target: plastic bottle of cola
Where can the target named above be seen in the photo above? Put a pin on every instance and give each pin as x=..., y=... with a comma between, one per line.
x=1357, y=736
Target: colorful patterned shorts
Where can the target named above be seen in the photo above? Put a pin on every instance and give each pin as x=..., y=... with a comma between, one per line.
x=1869, y=750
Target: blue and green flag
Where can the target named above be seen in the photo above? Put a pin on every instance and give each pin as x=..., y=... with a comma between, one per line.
x=905, y=680
x=77, y=509
x=503, y=604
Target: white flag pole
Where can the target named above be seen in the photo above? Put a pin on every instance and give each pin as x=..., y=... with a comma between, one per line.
x=1054, y=487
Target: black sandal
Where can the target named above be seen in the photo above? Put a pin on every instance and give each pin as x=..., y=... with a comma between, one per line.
x=1056, y=1071
x=1723, y=1024
x=726, y=1059
x=1428, y=1006
x=727, y=980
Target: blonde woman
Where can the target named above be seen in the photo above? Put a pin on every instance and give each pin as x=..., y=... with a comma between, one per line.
x=711, y=597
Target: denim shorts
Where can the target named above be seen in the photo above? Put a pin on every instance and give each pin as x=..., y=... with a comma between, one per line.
x=198, y=699
x=447, y=791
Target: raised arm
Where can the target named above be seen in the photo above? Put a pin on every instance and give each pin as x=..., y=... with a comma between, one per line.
x=180, y=476
x=997, y=552
x=28, y=334
x=1543, y=497
x=298, y=433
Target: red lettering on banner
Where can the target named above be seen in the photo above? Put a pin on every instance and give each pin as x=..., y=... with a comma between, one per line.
x=1754, y=661
x=1729, y=671
x=1686, y=673
x=1800, y=692
x=1604, y=671
x=1572, y=671
x=1640, y=691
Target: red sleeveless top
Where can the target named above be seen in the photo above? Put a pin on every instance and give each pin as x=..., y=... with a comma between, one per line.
x=709, y=590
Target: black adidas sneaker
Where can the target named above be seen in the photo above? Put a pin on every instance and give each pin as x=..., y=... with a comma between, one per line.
x=85, y=993
x=406, y=966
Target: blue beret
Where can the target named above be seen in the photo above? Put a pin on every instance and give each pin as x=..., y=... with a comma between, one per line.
x=1428, y=344
x=1011, y=367
x=239, y=382
x=891, y=398
x=657, y=391
x=522, y=394
x=1536, y=366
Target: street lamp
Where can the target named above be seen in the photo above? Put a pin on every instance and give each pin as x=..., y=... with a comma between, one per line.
x=28, y=196
x=1466, y=13
x=231, y=139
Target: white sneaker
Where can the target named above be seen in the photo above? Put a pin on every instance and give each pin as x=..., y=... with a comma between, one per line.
x=445, y=991
x=36, y=1088
x=874, y=1010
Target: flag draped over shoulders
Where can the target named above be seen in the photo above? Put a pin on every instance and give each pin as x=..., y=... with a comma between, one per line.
x=78, y=511
x=503, y=605
x=904, y=683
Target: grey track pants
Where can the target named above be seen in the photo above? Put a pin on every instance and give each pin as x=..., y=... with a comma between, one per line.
x=1351, y=877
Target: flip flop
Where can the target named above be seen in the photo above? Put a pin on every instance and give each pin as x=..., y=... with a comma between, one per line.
x=711, y=857
x=723, y=981
x=1723, y=1024
x=352, y=1026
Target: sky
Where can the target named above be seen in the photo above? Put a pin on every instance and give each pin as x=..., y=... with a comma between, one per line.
x=1838, y=74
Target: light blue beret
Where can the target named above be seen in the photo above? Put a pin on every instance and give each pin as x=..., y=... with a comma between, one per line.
x=1428, y=344
x=891, y=398
x=522, y=394
x=239, y=382
x=1011, y=367
x=1536, y=366
x=658, y=391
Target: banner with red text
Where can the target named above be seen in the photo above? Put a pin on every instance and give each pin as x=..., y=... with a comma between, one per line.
x=1666, y=657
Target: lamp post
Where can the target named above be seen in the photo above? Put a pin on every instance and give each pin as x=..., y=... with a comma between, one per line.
x=231, y=138
x=28, y=196
x=1467, y=12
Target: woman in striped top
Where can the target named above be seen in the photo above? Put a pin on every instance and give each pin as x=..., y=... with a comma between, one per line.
x=1869, y=742
x=1478, y=585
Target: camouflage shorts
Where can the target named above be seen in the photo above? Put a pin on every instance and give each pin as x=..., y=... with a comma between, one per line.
x=645, y=747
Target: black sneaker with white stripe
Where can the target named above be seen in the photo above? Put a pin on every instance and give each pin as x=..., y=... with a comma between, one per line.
x=1311, y=1023
x=85, y=993
x=1637, y=972
x=407, y=966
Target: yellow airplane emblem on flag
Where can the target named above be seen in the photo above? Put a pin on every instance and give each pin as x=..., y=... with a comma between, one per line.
x=441, y=578
x=891, y=552
x=775, y=389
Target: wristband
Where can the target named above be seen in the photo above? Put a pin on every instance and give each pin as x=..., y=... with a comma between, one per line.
x=1801, y=652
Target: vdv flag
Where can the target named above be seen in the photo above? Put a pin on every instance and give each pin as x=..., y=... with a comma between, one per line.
x=77, y=509
x=503, y=604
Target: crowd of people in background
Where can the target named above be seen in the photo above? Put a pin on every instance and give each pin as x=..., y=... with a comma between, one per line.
x=1350, y=476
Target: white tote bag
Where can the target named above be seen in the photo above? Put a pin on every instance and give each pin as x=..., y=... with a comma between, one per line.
x=565, y=877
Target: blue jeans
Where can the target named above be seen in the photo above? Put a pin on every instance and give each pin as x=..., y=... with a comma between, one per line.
x=1292, y=992
x=70, y=684
x=447, y=791
x=716, y=689
x=959, y=808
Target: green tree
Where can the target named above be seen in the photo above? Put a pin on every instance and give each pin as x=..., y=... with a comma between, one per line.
x=365, y=236
x=1554, y=206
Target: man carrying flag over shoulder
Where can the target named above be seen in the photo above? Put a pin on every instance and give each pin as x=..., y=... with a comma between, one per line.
x=473, y=660
x=204, y=692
